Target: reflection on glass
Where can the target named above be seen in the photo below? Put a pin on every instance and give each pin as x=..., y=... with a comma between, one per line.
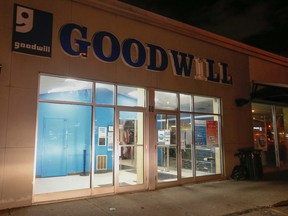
x=104, y=143
x=166, y=100
x=131, y=96
x=206, y=105
x=131, y=158
x=186, y=145
x=207, y=145
x=166, y=147
x=65, y=89
x=263, y=132
x=104, y=94
x=185, y=103
x=63, y=148
x=282, y=132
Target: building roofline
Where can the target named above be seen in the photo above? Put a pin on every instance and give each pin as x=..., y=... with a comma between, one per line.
x=147, y=17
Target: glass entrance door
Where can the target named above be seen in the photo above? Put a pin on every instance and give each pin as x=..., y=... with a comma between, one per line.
x=264, y=133
x=130, y=148
x=166, y=147
x=282, y=135
x=270, y=134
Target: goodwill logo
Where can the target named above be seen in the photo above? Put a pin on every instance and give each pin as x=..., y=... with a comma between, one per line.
x=32, y=31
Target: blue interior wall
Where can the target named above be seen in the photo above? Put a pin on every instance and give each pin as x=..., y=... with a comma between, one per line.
x=104, y=117
x=123, y=100
x=104, y=96
x=77, y=136
x=77, y=129
x=76, y=96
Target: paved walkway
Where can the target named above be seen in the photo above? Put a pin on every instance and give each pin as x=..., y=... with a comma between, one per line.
x=223, y=198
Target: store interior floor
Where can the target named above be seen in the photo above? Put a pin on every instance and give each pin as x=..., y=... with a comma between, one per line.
x=75, y=182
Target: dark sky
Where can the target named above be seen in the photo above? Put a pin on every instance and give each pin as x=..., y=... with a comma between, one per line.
x=260, y=23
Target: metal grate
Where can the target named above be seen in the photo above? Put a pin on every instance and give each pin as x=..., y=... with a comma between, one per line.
x=101, y=163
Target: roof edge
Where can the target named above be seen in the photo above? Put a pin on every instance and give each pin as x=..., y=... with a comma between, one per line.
x=147, y=17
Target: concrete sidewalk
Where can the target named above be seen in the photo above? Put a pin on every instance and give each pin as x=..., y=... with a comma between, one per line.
x=229, y=198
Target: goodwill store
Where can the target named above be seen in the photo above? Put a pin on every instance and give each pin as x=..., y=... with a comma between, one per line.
x=100, y=97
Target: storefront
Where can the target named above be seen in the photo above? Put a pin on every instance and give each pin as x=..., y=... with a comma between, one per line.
x=103, y=98
x=270, y=117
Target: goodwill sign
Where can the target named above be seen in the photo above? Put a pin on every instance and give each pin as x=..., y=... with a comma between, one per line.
x=32, y=34
x=75, y=42
x=32, y=31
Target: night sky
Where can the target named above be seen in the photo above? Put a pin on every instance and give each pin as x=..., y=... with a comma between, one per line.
x=259, y=23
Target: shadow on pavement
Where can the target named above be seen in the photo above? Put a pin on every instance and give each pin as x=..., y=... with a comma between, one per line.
x=276, y=176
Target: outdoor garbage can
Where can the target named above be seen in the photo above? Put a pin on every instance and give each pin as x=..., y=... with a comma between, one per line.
x=250, y=158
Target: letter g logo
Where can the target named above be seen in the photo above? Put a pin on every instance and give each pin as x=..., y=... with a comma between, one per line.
x=24, y=19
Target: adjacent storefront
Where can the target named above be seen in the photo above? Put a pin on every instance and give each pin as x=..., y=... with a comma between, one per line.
x=101, y=99
x=270, y=118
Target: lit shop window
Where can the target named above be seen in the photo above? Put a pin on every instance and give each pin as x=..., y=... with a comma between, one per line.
x=207, y=144
x=105, y=94
x=63, y=147
x=131, y=96
x=167, y=148
x=166, y=100
x=200, y=135
x=76, y=135
x=187, y=147
x=65, y=89
x=206, y=105
x=186, y=103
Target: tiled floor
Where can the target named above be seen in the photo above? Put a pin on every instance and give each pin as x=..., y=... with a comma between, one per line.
x=75, y=182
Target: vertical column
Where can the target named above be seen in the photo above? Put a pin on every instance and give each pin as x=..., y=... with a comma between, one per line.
x=276, y=143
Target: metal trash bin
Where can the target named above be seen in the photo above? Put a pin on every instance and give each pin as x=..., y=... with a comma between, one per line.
x=251, y=159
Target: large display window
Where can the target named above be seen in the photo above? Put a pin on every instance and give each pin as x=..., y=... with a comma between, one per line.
x=197, y=149
x=91, y=135
x=63, y=148
x=202, y=140
x=76, y=146
x=207, y=145
x=270, y=130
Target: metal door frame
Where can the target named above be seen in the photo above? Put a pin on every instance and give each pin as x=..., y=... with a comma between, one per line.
x=117, y=153
x=178, y=150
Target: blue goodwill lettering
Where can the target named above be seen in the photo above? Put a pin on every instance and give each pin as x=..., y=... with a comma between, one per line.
x=65, y=40
x=74, y=41
x=99, y=50
x=181, y=63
